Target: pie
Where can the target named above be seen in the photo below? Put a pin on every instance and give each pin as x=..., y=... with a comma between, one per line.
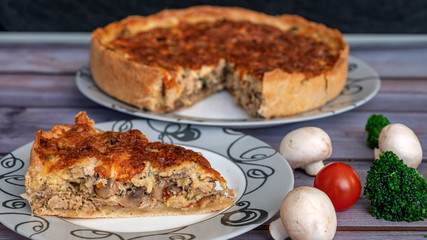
x=272, y=65
x=79, y=171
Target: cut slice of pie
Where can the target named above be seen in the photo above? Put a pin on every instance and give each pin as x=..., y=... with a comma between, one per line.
x=79, y=171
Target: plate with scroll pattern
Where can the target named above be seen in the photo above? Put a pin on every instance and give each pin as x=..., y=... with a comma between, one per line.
x=251, y=167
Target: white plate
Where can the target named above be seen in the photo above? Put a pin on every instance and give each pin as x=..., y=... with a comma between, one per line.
x=362, y=85
x=260, y=176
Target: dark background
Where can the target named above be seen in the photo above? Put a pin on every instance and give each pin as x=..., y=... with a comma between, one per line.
x=363, y=16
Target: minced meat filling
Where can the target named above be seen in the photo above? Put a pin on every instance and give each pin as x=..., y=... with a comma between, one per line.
x=89, y=193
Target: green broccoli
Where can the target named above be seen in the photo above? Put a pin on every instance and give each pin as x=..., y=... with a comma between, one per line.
x=373, y=127
x=397, y=192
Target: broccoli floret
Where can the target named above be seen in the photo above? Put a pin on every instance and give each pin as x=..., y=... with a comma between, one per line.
x=373, y=127
x=397, y=192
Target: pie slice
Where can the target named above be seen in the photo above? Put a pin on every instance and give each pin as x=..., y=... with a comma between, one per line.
x=79, y=171
x=273, y=66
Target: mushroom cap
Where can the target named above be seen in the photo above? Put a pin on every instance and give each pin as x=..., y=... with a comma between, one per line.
x=308, y=213
x=306, y=145
x=402, y=141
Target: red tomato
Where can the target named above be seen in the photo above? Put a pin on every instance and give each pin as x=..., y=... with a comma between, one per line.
x=341, y=183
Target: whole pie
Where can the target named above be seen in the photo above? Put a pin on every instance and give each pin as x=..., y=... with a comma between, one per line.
x=272, y=65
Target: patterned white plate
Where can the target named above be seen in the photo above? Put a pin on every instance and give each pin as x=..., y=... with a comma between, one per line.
x=260, y=176
x=362, y=85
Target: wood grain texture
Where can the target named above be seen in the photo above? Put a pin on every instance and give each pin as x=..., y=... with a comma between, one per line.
x=37, y=91
x=402, y=62
x=43, y=58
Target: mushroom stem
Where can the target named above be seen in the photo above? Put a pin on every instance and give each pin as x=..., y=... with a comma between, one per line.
x=277, y=230
x=313, y=168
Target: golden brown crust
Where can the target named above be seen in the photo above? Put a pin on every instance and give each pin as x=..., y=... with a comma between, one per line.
x=300, y=93
x=123, y=78
x=119, y=155
x=295, y=92
x=109, y=71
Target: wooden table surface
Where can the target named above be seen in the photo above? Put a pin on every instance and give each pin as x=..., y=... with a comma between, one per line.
x=38, y=90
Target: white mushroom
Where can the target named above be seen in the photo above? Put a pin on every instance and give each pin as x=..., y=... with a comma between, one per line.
x=402, y=141
x=306, y=148
x=308, y=213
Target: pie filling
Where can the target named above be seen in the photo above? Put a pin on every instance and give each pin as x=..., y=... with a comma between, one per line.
x=202, y=58
x=89, y=193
